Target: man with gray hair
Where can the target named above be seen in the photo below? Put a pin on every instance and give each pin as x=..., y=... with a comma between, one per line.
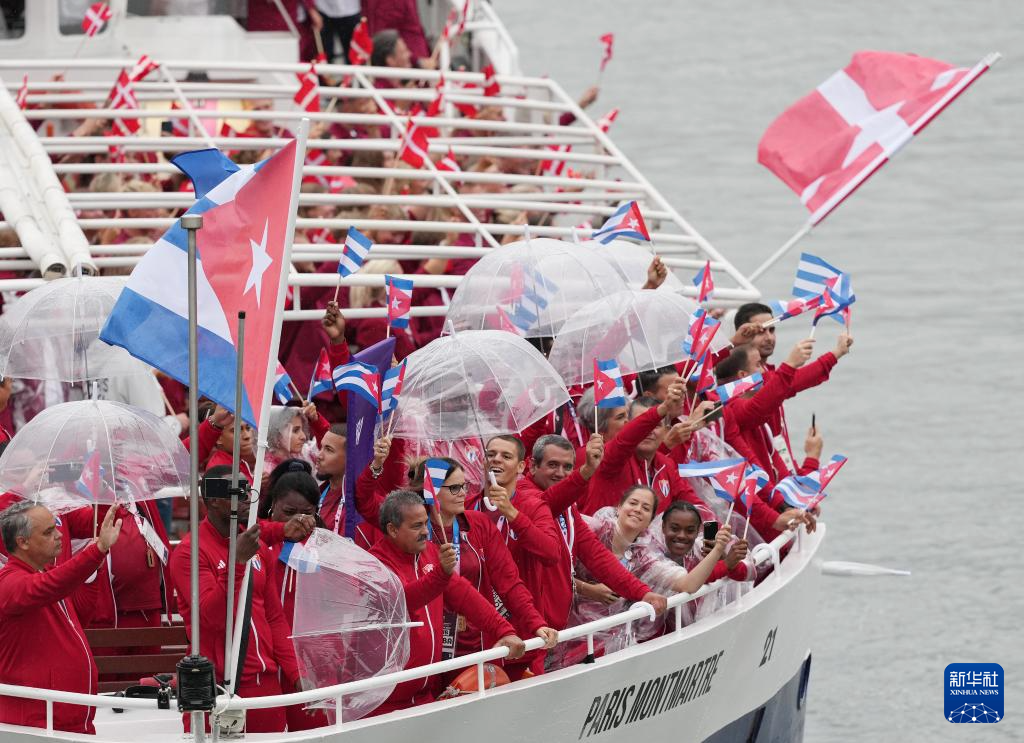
x=42, y=643
x=428, y=576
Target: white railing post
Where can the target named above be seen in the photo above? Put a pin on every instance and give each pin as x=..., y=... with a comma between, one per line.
x=338, y=701
x=49, y=717
x=480, y=683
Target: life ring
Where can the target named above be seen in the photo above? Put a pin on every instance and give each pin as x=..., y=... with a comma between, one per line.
x=465, y=682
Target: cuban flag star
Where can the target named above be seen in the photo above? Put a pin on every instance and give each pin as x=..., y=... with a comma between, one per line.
x=241, y=250
x=90, y=482
x=321, y=381
x=626, y=222
x=700, y=334
x=609, y=392
x=705, y=283
x=360, y=379
x=729, y=483
x=399, y=301
x=357, y=247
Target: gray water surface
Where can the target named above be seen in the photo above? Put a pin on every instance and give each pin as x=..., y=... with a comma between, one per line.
x=928, y=406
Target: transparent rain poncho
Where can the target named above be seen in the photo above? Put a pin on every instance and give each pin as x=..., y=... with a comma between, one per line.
x=642, y=330
x=537, y=283
x=476, y=384
x=138, y=456
x=350, y=621
x=52, y=332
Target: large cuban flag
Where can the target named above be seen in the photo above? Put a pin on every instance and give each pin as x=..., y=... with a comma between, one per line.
x=241, y=252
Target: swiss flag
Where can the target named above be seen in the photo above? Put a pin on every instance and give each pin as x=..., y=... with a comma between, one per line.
x=242, y=245
x=833, y=139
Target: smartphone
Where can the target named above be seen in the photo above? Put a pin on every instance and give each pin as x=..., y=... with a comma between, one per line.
x=710, y=530
x=715, y=413
x=64, y=472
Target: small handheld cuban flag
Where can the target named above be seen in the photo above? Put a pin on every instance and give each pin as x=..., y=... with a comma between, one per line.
x=704, y=283
x=435, y=472
x=505, y=322
x=626, y=222
x=732, y=390
x=725, y=475
x=700, y=334
x=321, y=381
x=807, y=491
x=456, y=543
x=785, y=310
x=90, y=482
x=299, y=557
x=359, y=379
x=357, y=247
x=391, y=389
x=811, y=274
x=754, y=478
x=399, y=293
x=704, y=380
x=609, y=392
x=282, y=386
x=836, y=300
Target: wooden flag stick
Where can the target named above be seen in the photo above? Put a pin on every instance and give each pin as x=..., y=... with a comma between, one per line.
x=337, y=289
x=296, y=391
x=732, y=505
x=813, y=328
x=746, y=526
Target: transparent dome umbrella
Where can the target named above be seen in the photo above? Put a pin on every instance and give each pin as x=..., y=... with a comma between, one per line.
x=539, y=283
x=52, y=332
x=642, y=330
x=475, y=384
x=632, y=260
x=350, y=620
x=94, y=452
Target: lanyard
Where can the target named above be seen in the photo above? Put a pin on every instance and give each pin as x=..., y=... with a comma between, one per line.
x=341, y=503
x=148, y=533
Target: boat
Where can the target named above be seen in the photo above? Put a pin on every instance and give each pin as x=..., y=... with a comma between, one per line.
x=740, y=674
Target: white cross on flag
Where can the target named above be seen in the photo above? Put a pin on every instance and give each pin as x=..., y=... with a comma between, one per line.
x=306, y=96
x=96, y=17
x=832, y=140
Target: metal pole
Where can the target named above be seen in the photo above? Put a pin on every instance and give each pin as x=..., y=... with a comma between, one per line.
x=191, y=223
x=236, y=452
x=781, y=251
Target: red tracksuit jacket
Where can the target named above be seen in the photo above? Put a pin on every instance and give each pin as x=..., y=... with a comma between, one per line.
x=620, y=469
x=488, y=563
x=551, y=582
x=42, y=643
x=427, y=590
x=269, y=647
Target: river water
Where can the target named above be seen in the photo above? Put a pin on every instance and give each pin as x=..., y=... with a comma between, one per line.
x=928, y=406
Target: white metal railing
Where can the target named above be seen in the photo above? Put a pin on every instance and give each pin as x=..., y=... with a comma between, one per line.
x=760, y=555
x=518, y=146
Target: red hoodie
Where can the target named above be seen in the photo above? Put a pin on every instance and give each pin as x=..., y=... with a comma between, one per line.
x=42, y=644
x=269, y=648
x=427, y=590
x=551, y=583
x=621, y=468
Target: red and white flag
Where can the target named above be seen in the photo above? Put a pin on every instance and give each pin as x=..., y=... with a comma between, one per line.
x=415, y=144
x=448, y=162
x=22, y=97
x=554, y=167
x=491, y=87
x=307, y=96
x=608, y=40
x=829, y=142
x=607, y=120
x=96, y=17
x=143, y=67
x=361, y=46
x=123, y=96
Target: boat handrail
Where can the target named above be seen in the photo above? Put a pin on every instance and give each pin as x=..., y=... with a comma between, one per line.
x=760, y=555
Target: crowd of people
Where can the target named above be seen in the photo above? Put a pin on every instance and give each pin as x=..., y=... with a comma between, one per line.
x=576, y=517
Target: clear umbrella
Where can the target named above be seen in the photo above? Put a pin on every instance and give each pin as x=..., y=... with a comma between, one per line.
x=52, y=332
x=476, y=384
x=632, y=260
x=94, y=451
x=537, y=283
x=642, y=330
x=350, y=620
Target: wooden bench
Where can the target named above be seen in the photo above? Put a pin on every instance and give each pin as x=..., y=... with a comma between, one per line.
x=172, y=642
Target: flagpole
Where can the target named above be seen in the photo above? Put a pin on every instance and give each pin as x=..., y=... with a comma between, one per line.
x=236, y=452
x=800, y=234
x=296, y=391
x=275, y=343
x=192, y=223
x=337, y=289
